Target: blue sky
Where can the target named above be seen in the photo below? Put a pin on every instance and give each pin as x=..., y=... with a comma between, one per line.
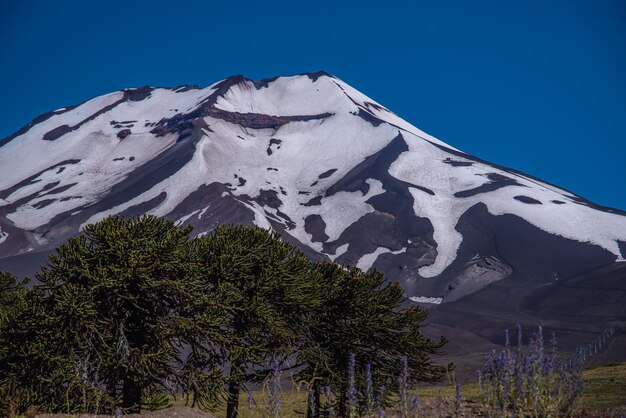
x=539, y=86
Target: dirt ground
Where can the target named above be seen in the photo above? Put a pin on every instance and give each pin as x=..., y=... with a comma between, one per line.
x=177, y=412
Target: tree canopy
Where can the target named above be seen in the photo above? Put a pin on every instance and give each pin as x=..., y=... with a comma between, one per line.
x=109, y=320
x=270, y=293
x=134, y=309
x=362, y=318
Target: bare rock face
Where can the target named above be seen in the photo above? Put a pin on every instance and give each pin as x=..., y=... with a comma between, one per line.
x=336, y=173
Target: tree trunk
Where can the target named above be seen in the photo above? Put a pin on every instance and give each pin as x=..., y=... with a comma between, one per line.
x=342, y=407
x=232, y=404
x=131, y=396
x=234, y=385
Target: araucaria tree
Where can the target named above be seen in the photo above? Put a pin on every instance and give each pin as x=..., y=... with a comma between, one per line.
x=133, y=310
x=363, y=339
x=13, y=299
x=270, y=293
x=108, y=324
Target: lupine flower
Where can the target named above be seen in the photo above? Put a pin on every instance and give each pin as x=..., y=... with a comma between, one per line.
x=310, y=401
x=369, y=401
x=414, y=403
x=353, y=401
x=403, y=386
x=530, y=381
x=329, y=401
x=250, y=400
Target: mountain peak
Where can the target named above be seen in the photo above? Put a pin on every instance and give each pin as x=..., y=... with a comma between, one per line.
x=336, y=172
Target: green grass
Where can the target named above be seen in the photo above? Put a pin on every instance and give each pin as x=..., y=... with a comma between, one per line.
x=605, y=387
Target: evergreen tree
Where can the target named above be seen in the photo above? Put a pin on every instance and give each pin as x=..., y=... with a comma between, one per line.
x=270, y=294
x=13, y=298
x=12, y=294
x=132, y=309
x=116, y=308
x=362, y=317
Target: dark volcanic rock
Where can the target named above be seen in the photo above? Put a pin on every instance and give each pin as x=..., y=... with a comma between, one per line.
x=57, y=132
x=496, y=181
x=526, y=199
x=138, y=94
x=246, y=120
x=327, y=174
x=456, y=163
x=123, y=133
x=315, y=225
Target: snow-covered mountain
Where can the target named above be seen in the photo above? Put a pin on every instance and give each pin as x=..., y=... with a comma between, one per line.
x=336, y=173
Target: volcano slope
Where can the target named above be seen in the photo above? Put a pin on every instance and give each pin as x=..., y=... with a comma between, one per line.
x=338, y=175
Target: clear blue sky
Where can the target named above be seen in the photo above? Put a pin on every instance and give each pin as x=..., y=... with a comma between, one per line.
x=536, y=85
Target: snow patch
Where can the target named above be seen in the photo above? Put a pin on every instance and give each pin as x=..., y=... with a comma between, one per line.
x=203, y=211
x=368, y=260
x=342, y=249
x=426, y=299
x=184, y=218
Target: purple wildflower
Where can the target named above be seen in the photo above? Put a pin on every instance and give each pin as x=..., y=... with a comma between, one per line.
x=413, y=404
x=353, y=401
x=457, y=401
x=328, y=406
x=369, y=402
x=250, y=400
x=403, y=386
x=310, y=402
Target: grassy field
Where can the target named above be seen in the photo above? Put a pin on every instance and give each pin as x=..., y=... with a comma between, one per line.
x=605, y=387
x=604, y=395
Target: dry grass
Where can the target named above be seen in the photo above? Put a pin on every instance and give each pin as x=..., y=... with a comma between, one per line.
x=604, y=396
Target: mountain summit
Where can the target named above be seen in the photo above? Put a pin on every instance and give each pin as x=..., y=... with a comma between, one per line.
x=334, y=172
